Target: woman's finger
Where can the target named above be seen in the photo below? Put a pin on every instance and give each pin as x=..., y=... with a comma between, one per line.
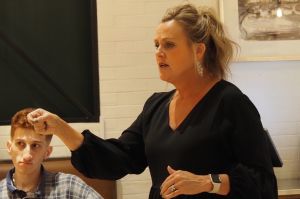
x=169, y=181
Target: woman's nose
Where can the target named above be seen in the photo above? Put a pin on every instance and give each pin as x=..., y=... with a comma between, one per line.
x=159, y=52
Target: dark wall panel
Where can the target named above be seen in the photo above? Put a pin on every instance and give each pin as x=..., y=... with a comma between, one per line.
x=48, y=58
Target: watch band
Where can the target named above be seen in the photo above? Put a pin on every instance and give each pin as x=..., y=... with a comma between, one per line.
x=216, y=182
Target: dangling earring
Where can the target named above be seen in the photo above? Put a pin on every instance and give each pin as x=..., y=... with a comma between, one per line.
x=200, y=69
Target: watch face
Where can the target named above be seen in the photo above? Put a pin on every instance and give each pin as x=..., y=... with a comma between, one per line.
x=215, y=178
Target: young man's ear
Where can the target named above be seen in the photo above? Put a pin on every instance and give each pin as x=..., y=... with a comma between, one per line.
x=48, y=152
x=8, y=146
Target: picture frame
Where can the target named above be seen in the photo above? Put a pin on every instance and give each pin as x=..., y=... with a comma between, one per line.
x=265, y=49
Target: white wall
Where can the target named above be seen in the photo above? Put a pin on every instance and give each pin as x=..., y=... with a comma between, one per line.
x=274, y=89
x=128, y=76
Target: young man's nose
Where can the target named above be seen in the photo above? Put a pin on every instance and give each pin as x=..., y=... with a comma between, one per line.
x=27, y=156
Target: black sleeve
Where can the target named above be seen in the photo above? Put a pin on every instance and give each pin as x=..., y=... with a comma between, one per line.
x=253, y=175
x=112, y=158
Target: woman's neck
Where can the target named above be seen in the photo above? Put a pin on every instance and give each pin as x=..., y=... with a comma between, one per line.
x=193, y=88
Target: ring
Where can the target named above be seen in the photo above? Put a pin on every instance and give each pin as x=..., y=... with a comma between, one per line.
x=172, y=188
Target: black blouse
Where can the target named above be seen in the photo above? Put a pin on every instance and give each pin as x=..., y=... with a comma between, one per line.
x=222, y=134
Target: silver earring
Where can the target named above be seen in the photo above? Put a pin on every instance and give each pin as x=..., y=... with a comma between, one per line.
x=200, y=69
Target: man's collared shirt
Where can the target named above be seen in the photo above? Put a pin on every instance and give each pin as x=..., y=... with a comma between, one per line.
x=52, y=185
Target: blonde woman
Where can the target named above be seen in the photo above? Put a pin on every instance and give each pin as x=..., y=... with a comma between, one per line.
x=203, y=140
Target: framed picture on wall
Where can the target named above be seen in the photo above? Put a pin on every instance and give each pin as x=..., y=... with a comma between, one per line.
x=266, y=30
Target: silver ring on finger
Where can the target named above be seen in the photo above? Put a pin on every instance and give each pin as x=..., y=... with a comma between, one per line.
x=172, y=188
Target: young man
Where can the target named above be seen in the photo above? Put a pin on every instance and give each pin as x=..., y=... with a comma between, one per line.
x=28, y=178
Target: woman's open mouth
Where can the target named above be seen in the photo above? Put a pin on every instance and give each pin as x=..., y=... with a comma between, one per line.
x=163, y=65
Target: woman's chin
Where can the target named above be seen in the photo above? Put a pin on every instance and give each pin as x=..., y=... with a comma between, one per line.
x=164, y=78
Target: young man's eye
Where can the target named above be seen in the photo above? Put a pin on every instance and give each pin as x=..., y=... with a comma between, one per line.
x=20, y=144
x=35, y=146
x=156, y=45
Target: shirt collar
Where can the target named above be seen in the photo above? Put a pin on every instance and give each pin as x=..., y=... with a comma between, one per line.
x=20, y=193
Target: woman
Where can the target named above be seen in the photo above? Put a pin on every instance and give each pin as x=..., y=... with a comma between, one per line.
x=202, y=140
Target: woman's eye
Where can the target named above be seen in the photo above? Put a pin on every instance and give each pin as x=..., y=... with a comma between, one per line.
x=169, y=45
x=166, y=45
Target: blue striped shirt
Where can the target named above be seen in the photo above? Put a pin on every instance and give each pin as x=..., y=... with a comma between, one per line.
x=52, y=186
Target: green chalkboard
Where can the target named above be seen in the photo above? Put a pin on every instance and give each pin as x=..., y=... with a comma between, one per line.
x=48, y=58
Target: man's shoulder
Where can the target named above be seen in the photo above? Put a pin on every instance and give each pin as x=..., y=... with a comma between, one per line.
x=65, y=183
x=2, y=183
x=61, y=177
x=65, y=180
x=3, y=188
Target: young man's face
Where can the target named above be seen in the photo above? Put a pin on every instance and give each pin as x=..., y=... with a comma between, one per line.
x=27, y=150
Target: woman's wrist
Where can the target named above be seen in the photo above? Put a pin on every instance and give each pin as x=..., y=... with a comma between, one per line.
x=224, y=186
x=65, y=132
x=209, y=184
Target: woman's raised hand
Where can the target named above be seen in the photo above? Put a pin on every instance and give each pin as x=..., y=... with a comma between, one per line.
x=46, y=123
x=43, y=121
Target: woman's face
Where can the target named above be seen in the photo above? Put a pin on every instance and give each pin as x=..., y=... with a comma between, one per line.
x=175, y=55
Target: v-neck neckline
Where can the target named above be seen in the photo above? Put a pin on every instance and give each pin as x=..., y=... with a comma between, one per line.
x=186, y=119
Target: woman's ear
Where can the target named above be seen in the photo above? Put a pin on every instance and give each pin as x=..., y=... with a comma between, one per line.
x=48, y=152
x=200, y=49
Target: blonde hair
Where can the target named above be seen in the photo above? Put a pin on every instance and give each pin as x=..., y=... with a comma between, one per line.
x=202, y=26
